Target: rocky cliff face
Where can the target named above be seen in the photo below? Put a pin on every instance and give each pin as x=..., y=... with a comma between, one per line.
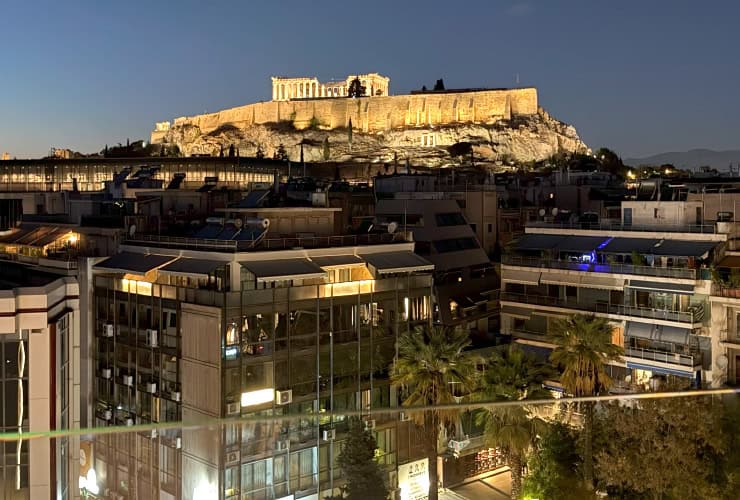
x=522, y=139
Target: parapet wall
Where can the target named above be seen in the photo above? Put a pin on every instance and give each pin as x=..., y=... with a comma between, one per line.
x=374, y=114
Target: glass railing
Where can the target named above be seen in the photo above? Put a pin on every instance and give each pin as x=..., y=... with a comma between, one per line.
x=674, y=358
x=611, y=268
x=295, y=452
x=604, y=307
x=620, y=226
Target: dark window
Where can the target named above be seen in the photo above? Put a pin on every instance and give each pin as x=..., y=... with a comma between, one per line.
x=455, y=245
x=423, y=247
x=450, y=219
x=490, y=228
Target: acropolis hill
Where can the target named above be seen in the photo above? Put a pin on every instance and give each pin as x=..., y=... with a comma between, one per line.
x=500, y=123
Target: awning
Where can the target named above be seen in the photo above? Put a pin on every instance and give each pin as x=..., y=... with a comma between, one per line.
x=192, y=267
x=655, y=286
x=730, y=261
x=133, y=263
x=338, y=261
x=538, y=241
x=396, y=262
x=283, y=269
x=603, y=282
x=524, y=277
x=681, y=248
x=559, y=279
x=629, y=245
x=583, y=244
x=659, y=333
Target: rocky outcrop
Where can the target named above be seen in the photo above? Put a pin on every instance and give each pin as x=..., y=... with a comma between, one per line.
x=522, y=139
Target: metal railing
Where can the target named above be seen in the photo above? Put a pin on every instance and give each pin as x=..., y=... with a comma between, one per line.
x=729, y=336
x=620, y=226
x=602, y=307
x=665, y=272
x=673, y=358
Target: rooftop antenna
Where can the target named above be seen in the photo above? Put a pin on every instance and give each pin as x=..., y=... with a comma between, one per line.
x=517, y=78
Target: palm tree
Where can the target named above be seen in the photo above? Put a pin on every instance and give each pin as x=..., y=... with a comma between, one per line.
x=583, y=349
x=430, y=361
x=512, y=375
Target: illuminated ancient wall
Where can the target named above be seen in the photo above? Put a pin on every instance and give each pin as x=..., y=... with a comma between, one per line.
x=374, y=114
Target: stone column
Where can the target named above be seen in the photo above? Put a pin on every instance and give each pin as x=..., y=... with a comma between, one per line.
x=274, y=91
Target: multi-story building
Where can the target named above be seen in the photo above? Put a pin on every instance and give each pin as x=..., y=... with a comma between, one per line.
x=40, y=348
x=196, y=330
x=652, y=281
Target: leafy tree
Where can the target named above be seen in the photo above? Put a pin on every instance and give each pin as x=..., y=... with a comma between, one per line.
x=583, y=348
x=365, y=477
x=327, y=151
x=356, y=89
x=554, y=464
x=221, y=151
x=423, y=88
x=430, y=361
x=280, y=153
x=231, y=151
x=512, y=375
x=660, y=448
x=461, y=150
x=609, y=161
x=259, y=154
x=440, y=85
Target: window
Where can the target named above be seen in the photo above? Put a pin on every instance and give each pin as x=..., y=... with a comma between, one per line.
x=450, y=219
x=490, y=228
x=455, y=245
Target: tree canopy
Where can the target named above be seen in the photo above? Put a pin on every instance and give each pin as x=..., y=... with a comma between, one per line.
x=365, y=477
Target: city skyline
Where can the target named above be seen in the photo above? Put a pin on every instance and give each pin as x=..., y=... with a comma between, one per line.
x=638, y=86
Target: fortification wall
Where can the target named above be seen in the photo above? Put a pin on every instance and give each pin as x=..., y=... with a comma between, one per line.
x=374, y=114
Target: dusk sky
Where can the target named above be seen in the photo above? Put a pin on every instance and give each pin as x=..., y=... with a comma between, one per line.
x=640, y=77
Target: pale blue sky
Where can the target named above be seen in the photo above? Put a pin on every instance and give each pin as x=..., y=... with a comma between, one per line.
x=639, y=77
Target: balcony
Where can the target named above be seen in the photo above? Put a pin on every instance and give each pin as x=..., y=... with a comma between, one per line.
x=727, y=292
x=691, y=317
x=670, y=358
x=663, y=272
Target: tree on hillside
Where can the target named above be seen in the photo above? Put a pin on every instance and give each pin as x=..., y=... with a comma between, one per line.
x=431, y=360
x=440, y=85
x=512, y=375
x=280, y=153
x=610, y=162
x=661, y=448
x=365, y=477
x=583, y=349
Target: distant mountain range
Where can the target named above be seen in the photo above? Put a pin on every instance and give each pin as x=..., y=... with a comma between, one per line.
x=692, y=159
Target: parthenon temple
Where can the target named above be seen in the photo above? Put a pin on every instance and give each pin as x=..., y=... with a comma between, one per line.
x=284, y=89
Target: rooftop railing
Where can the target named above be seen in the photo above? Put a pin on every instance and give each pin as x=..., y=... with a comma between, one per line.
x=603, y=307
x=620, y=226
x=664, y=272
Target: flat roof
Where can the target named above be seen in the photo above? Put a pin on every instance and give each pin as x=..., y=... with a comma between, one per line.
x=14, y=275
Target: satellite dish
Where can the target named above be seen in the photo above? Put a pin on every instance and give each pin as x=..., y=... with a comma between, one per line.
x=542, y=212
x=392, y=227
x=238, y=223
x=722, y=362
x=554, y=211
x=132, y=230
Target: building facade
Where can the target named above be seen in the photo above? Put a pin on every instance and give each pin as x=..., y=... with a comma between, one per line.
x=40, y=344
x=194, y=335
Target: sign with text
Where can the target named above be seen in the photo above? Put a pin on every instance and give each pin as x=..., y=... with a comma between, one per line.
x=413, y=480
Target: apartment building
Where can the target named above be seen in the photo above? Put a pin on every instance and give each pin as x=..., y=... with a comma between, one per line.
x=652, y=281
x=195, y=330
x=40, y=344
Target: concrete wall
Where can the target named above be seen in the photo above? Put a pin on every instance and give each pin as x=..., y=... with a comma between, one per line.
x=374, y=114
x=664, y=212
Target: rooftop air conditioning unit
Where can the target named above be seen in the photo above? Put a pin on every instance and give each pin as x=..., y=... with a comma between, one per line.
x=282, y=445
x=128, y=380
x=232, y=408
x=176, y=395
x=108, y=330
x=284, y=397
x=129, y=422
x=106, y=373
x=330, y=435
x=151, y=338
x=232, y=457
x=107, y=414
x=151, y=387
x=370, y=424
